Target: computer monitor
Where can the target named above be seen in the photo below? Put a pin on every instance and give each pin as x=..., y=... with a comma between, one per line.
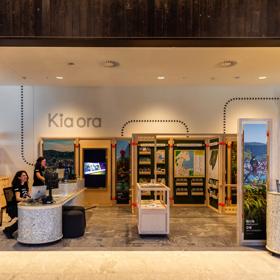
x=38, y=192
x=51, y=179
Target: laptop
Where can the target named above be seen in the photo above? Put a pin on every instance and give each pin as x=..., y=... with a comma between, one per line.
x=38, y=192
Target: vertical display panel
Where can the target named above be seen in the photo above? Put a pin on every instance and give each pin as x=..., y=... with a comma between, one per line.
x=213, y=173
x=122, y=171
x=60, y=155
x=255, y=174
x=189, y=172
x=95, y=168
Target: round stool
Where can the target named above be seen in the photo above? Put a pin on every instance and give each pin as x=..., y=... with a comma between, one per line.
x=73, y=223
x=75, y=207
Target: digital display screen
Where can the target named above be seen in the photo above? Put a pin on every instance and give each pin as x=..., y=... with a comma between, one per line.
x=94, y=168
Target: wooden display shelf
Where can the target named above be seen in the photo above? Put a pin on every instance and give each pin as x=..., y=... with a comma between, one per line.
x=145, y=173
x=160, y=173
x=182, y=193
x=197, y=193
x=144, y=153
x=197, y=184
x=144, y=163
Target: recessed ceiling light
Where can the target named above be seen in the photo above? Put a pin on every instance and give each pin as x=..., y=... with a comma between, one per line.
x=160, y=77
x=59, y=77
x=70, y=63
x=262, y=77
x=110, y=63
x=227, y=63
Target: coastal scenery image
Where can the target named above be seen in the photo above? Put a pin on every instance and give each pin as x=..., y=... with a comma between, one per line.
x=59, y=153
x=255, y=154
x=254, y=180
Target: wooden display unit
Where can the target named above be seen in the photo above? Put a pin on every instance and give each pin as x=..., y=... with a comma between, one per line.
x=189, y=189
x=161, y=161
x=145, y=161
x=153, y=214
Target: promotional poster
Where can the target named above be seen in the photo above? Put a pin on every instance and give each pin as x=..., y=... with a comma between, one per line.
x=255, y=180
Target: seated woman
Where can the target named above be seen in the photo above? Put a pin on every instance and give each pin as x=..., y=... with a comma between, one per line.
x=21, y=193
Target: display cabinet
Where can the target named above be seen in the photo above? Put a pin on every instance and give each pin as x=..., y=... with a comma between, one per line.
x=189, y=172
x=161, y=162
x=153, y=214
x=145, y=161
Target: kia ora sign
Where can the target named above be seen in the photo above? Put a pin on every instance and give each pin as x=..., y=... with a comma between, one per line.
x=59, y=120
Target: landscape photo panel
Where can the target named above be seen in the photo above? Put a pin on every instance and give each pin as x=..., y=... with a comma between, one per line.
x=255, y=169
x=60, y=154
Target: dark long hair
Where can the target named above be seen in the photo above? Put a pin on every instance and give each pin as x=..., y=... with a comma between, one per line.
x=16, y=181
x=38, y=162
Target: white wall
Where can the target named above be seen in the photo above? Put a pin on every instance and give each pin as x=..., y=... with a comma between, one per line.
x=201, y=108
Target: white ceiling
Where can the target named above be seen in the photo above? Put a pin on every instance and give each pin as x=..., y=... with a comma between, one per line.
x=138, y=66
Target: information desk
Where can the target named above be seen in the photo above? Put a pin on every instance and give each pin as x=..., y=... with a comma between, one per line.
x=153, y=208
x=42, y=223
x=273, y=222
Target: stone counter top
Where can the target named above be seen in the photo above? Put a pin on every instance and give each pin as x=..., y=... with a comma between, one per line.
x=42, y=223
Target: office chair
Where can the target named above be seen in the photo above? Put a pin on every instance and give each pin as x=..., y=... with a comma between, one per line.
x=11, y=204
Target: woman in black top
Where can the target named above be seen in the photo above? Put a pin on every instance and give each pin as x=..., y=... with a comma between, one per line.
x=40, y=166
x=21, y=193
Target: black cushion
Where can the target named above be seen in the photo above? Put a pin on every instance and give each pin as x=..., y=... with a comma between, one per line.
x=73, y=223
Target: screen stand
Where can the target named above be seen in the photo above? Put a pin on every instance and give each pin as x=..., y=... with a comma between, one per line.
x=49, y=198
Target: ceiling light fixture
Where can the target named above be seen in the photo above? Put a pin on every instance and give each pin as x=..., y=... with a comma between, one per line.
x=70, y=63
x=110, y=63
x=262, y=77
x=227, y=63
x=59, y=77
x=160, y=77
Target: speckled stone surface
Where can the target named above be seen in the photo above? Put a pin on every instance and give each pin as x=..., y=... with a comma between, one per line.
x=273, y=222
x=40, y=224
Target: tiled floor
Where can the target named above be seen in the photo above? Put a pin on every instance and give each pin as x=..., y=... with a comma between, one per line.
x=114, y=228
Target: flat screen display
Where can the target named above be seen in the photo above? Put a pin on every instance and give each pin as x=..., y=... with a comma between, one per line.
x=94, y=168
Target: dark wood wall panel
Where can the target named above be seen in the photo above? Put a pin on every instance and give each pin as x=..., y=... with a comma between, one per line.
x=140, y=18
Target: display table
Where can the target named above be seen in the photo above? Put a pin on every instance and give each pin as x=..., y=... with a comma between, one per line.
x=153, y=214
x=42, y=223
x=273, y=222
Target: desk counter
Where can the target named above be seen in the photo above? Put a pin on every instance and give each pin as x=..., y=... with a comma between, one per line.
x=273, y=222
x=42, y=223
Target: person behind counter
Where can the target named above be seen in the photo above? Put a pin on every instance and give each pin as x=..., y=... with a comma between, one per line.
x=40, y=166
x=21, y=193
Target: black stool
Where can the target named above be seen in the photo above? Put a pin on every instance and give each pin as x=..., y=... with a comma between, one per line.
x=75, y=207
x=73, y=223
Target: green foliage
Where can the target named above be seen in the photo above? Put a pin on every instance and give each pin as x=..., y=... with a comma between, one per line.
x=255, y=202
